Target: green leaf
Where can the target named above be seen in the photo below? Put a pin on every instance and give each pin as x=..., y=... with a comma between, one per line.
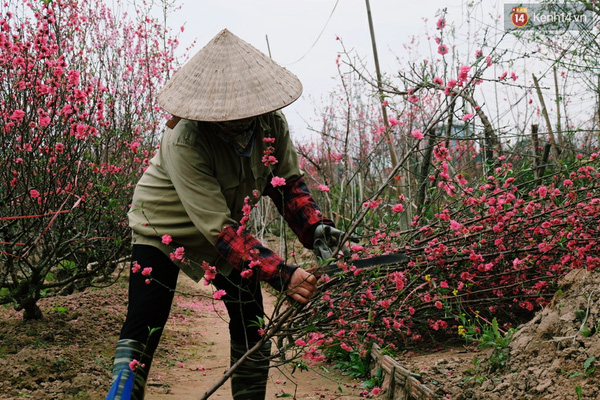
x=152, y=330
x=495, y=329
x=585, y=332
x=588, y=365
x=259, y=323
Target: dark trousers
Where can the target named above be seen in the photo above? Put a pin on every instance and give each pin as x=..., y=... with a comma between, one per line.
x=150, y=304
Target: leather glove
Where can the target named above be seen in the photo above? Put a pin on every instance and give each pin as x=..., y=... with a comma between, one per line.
x=327, y=239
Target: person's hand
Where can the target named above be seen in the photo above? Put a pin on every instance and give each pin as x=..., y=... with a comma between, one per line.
x=302, y=286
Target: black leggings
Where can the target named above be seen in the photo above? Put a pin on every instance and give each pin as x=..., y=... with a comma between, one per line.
x=150, y=304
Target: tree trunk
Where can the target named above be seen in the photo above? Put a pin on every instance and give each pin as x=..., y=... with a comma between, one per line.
x=26, y=298
x=424, y=173
x=32, y=311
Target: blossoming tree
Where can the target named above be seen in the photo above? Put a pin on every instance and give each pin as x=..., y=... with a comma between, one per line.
x=79, y=121
x=492, y=223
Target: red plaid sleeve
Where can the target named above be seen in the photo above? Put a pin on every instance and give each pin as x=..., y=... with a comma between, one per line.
x=245, y=253
x=299, y=209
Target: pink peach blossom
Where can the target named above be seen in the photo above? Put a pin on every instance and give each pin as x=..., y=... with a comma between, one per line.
x=277, y=181
x=247, y=273
x=135, y=268
x=17, y=115
x=178, y=253
x=417, y=134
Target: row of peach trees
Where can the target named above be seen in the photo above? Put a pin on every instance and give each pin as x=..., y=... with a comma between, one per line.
x=79, y=121
x=490, y=213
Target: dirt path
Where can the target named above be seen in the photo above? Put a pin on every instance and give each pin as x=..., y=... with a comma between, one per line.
x=69, y=355
x=194, y=353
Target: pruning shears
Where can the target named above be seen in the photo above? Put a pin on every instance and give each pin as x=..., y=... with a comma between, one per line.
x=327, y=240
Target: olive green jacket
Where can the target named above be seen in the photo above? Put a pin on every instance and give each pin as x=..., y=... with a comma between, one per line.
x=196, y=184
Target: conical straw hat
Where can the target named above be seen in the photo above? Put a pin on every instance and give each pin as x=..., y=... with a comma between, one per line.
x=228, y=79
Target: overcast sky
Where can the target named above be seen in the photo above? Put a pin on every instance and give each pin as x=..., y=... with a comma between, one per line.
x=293, y=27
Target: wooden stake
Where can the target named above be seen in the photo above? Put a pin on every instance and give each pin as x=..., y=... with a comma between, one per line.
x=555, y=151
x=393, y=156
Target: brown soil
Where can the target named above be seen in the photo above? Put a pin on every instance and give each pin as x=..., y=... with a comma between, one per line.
x=550, y=357
x=68, y=355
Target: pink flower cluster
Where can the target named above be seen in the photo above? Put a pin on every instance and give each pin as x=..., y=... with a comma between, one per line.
x=268, y=158
x=277, y=181
x=492, y=250
x=147, y=271
x=323, y=188
x=210, y=272
x=135, y=364
x=249, y=203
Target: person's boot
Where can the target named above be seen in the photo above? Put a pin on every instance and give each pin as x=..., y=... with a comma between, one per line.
x=249, y=380
x=128, y=384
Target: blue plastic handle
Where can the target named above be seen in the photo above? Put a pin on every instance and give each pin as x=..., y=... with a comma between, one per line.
x=127, y=389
